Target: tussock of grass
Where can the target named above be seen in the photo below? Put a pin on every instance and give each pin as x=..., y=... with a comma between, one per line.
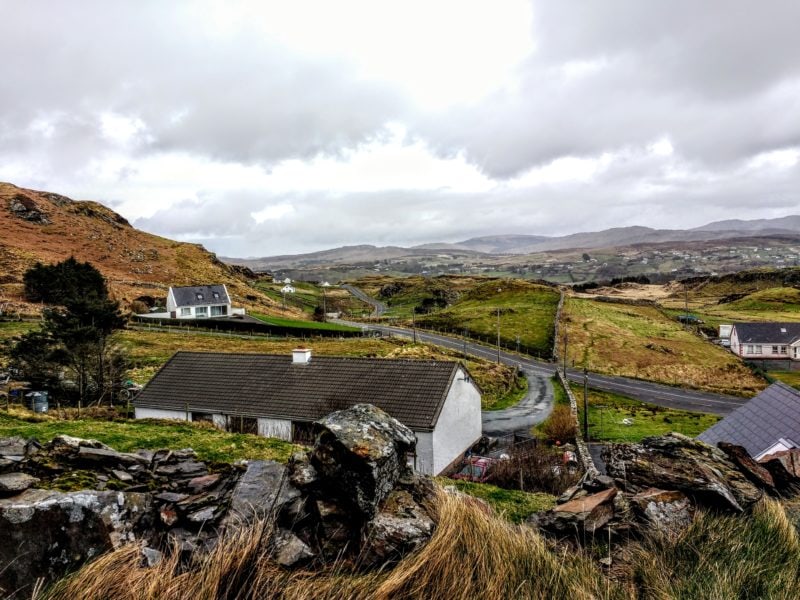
x=724, y=557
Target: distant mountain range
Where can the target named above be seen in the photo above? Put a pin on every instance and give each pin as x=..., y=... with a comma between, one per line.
x=494, y=245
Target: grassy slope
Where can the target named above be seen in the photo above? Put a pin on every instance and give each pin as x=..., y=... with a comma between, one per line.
x=791, y=378
x=125, y=435
x=607, y=410
x=135, y=263
x=527, y=310
x=642, y=342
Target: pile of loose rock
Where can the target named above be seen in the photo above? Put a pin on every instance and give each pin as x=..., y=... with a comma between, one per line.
x=352, y=497
x=659, y=483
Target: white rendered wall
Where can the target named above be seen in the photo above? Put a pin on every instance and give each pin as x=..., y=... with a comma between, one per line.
x=158, y=413
x=459, y=424
x=425, y=452
x=220, y=422
x=275, y=428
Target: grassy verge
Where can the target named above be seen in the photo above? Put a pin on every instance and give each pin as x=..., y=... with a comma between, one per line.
x=791, y=378
x=126, y=435
x=513, y=505
x=643, y=343
x=302, y=325
x=608, y=410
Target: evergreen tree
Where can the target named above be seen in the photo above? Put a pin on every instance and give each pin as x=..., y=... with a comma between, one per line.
x=73, y=354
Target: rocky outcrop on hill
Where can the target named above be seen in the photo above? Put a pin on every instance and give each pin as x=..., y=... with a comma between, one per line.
x=351, y=498
x=659, y=483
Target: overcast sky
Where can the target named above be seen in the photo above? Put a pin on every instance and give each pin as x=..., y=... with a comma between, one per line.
x=262, y=127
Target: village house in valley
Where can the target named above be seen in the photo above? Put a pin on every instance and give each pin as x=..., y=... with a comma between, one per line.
x=281, y=396
x=198, y=302
x=766, y=341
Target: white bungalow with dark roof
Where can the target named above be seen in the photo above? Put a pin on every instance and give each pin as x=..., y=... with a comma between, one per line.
x=281, y=396
x=766, y=341
x=198, y=302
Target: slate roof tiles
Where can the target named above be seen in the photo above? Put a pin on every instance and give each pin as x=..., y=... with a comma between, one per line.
x=271, y=386
x=757, y=425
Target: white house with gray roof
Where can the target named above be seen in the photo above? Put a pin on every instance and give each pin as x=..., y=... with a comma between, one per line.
x=768, y=423
x=198, y=302
x=766, y=341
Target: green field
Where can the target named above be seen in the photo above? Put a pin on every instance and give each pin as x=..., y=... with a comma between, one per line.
x=514, y=505
x=607, y=411
x=644, y=343
x=303, y=325
x=126, y=435
x=526, y=315
x=791, y=378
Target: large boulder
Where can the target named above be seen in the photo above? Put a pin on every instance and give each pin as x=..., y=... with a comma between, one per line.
x=263, y=490
x=47, y=533
x=400, y=526
x=677, y=462
x=359, y=455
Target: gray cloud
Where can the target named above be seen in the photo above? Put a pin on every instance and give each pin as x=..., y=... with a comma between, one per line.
x=719, y=80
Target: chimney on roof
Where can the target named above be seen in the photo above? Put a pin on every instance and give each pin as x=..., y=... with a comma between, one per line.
x=301, y=356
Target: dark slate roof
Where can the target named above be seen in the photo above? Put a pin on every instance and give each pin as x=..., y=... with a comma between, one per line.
x=760, y=423
x=767, y=333
x=264, y=385
x=187, y=295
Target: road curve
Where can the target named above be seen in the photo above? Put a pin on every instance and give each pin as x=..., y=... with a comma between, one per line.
x=378, y=308
x=534, y=408
x=654, y=393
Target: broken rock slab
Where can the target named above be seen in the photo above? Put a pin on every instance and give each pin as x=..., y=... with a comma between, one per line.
x=755, y=472
x=14, y=483
x=576, y=517
x=784, y=467
x=262, y=490
x=678, y=462
x=400, y=526
x=669, y=512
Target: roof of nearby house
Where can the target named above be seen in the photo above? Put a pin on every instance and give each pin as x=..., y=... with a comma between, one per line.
x=757, y=425
x=199, y=295
x=272, y=386
x=767, y=333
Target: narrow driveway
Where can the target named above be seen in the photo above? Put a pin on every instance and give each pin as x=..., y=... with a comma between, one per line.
x=532, y=409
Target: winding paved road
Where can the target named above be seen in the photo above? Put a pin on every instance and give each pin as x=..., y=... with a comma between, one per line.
x=654, y=393
x=534, y=408
x=378, y=308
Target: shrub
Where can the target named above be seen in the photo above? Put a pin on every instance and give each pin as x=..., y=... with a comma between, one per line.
x=560, y=426
x=534, y=470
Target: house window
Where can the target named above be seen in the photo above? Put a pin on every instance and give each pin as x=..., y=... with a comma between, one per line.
x=199, y=296
x=302, y=432
x=201, y=311
x=749, y=349
x=197, y=417
x=774, y=349
x=216, y=295
x=219, y=311
x=186, y=312
x=783, y=350
x=243, y=425
x=759, y=350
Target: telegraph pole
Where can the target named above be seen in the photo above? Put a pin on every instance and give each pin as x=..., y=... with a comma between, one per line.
x=498, y=335
x=414, y=325
x=585, y=404
x=565, y=353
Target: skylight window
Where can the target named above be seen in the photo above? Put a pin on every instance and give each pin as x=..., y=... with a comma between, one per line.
x=199, y=296
x=783, y=329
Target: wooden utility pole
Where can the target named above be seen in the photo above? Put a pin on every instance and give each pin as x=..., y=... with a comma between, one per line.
x=498, y=335
x=585, y=404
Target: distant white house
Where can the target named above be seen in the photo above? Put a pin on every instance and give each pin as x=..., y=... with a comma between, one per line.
x=199, y=302
x=288, y=289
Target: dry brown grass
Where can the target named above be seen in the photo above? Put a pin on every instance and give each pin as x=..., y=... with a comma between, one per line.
x=641, y=342
x=471, y=555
